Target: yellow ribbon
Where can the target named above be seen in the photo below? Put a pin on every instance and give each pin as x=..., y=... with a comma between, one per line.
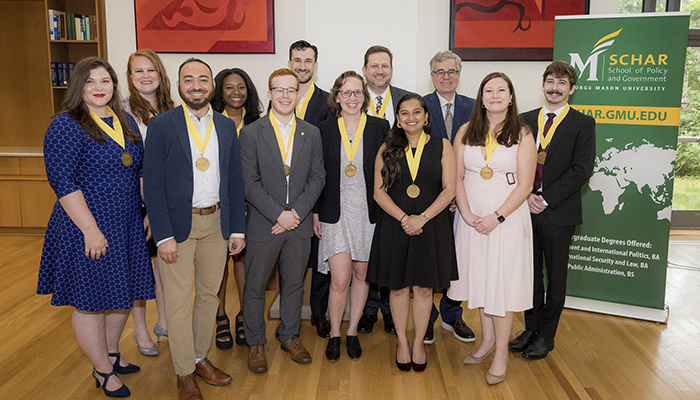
x=352, y=150
x=385, y=103
x=414, y=161
x=544, y=141
x=283, y=151
x=201, y=146
x=301, y=108
x=491, y=144
x=116, y=133
x=239, y=126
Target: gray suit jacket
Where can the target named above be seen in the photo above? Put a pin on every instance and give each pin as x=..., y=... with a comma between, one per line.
x=265, y=182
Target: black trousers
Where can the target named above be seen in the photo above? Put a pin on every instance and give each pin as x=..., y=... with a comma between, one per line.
x=551, y=253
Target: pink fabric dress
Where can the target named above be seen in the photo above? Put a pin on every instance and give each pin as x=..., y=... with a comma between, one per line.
x=495, y=270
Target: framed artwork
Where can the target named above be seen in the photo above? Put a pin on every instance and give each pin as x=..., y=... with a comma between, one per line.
x=205, y=26
x=507, y=30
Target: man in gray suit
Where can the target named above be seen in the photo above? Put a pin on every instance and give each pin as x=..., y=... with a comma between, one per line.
x=283, y=175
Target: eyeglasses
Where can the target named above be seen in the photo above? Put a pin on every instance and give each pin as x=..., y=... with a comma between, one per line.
x=450, y=72
x=280, y=90
x=346, y=94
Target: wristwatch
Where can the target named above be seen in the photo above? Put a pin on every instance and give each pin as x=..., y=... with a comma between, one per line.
x=425, y=217
x=501, y=219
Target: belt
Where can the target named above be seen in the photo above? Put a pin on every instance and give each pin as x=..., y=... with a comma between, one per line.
x=206, y=210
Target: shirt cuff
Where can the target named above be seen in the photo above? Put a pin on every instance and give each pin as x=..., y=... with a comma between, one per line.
x=164, y=240
x=544, y=201
x=237, y=235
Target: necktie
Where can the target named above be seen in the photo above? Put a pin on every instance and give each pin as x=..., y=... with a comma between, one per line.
x=379, y=105
x=538, y=171
x=448, y=121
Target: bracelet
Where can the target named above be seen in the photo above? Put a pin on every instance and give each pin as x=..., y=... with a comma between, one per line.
x=425, y=217
x=401, y=220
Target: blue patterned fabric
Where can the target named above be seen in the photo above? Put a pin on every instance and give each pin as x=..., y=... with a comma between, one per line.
x=75, y=161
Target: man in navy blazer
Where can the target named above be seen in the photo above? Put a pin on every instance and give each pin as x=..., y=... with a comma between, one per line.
x=564, y=164
x=447, y=109
x=312, y=107
x=193, y=187
x=378, y=69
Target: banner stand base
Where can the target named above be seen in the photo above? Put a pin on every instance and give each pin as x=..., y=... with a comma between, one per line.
x=620, y=310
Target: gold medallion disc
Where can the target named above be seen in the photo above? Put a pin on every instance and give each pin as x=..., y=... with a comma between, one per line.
x=413, y=191
x=202, y=163
x=127, y=159
x=350, y=170
x=286, y=170
x=541, y=156
x=486, y=173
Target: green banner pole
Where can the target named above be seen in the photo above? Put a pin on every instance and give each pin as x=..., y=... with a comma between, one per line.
x=630, y=71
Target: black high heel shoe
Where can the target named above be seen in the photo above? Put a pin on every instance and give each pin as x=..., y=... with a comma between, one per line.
x=123, y=391
x=129, y=369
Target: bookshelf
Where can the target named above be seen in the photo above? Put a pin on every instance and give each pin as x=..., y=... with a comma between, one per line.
x=29, y=100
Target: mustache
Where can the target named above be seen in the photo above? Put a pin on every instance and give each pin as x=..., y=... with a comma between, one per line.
x=554, y=91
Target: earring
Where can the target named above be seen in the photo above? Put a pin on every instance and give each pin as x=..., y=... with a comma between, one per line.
x=398, y=124
x=510, y=104
x=425, y=123
x=482, y=105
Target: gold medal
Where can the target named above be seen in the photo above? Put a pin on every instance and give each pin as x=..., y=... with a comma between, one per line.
x=286, y=170
x=202, y=163
x=486, y=173
x=127, y=159
x=413, y=191
x=350, y=170
x=541, y=156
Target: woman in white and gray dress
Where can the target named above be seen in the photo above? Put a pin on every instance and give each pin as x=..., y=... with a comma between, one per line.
x=345, y=213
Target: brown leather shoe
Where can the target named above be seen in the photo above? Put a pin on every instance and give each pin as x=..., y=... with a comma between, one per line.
x=187, y=388
x=211, y=374
x=323, y=328
x=298, y=352
x=256, y=359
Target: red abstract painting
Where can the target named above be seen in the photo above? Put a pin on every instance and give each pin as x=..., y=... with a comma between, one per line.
x=205, y=26
x=510, y=30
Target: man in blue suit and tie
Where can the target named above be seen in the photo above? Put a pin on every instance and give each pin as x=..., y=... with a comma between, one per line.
x=448, y=111
x=193, y=187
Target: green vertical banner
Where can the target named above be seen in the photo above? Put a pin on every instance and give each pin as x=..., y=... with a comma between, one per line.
x=630, y=70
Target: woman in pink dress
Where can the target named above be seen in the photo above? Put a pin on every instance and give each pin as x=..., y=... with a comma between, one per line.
x=496, y=158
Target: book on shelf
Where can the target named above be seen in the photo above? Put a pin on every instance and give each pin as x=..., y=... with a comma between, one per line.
x=71, y=26
x=61, y=72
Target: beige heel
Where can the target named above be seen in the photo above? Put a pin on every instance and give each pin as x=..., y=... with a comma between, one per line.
x=471, y=360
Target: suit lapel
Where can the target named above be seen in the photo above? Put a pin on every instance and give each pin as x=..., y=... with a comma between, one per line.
x=269, y=137
x=224, y=139
x=182, y=133
x=368, y=139
x=561, y=131
x=298, y=144
x=459, y=113
x=436, y=112
x=312, y=104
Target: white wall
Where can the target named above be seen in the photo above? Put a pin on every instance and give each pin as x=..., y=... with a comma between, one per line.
x=342, y=31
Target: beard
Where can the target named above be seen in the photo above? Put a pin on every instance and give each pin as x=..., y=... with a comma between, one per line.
x=192, y=103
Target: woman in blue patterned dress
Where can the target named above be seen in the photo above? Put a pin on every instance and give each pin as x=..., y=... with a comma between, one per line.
x=95, y=257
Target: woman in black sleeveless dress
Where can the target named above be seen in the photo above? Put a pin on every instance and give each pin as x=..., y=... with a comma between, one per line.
x=413, y=244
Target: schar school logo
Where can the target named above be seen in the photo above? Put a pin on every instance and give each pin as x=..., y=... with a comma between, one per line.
x=592, y=61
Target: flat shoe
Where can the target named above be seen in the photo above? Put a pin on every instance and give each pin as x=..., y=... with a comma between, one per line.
x=471, y=360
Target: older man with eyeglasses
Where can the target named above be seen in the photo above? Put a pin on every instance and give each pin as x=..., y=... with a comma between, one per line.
x=448, y=111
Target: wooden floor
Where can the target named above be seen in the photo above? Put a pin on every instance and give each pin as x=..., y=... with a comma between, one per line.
x=596, y=356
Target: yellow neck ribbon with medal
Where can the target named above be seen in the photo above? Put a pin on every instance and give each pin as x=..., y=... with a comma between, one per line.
x=385, y=103
x=301, y=108
x=202, y=162
x=491, y=145
x=413, y=162
x=116, y=133
x=239, y=126
x=544, y=141
x=283, y=151
x=351, y=169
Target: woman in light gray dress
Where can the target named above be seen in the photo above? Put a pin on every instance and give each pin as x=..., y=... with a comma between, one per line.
x=346, y=212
